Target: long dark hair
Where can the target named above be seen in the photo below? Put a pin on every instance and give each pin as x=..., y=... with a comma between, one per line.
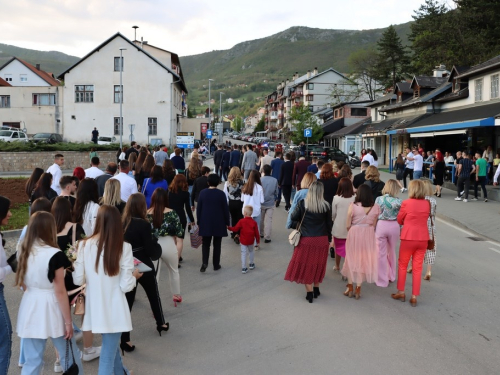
x=364, y=196
x=374, y=154
x=32, y=181
x=140, y=160
x=87, y=192
x=109, y=230
x=159, y=201
x=41, y=227
x=4, y=211
x=168, y=169
x=136, y=207
x=43, y=185
x=345, y=188
x=156, y=174
x=61, y=210
x=148, y=164
x=253, y=178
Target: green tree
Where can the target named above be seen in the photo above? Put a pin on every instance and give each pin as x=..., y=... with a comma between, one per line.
x=301, y=118
x=363, y=65
x=190, y=113
x=238, y=124
x=260, y=125
x=344, y=91
x=393, y=60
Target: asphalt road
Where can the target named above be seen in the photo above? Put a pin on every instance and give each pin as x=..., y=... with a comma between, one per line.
x=231, y=323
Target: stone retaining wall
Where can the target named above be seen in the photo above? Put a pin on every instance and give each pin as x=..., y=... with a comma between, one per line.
x=27, y=161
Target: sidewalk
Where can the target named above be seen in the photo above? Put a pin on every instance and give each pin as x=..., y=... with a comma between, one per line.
x=478, y=217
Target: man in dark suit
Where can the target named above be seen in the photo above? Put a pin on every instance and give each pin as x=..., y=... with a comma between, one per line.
x=276, y=171
x=131, y=149
x=199, y=184
x=285, y=180
x=101, y=180
x=359, y=179
x=225, y=162
x=218, y=161
x=234, y=158
x=299, y=170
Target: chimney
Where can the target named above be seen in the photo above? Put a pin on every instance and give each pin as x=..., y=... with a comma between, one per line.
x=315, y=71
x=308, y=74
x=440, y=71
x=37, y=66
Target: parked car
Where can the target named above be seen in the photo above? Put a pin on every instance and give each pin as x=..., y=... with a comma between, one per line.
x=105, y=140
x=13, y=136
x=328, y=154
x=47, y=138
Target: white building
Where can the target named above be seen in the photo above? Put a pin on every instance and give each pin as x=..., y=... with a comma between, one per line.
x=154, y=93
x=29, y=98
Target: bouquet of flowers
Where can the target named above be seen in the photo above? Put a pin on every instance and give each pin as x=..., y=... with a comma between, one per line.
x=72, y=251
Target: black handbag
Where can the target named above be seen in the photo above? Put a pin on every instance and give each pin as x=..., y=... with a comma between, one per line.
x=156, y=250
x=12, y=262
x=73, y=369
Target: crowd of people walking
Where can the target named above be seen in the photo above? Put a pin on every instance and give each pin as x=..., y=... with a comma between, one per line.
x=92, y=239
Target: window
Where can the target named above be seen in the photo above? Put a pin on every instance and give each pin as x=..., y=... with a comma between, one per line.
x=116, y=126
x=478, y=89
x=310, y=86
x=23, y=77
x=494, y=86
x=359, y=111
x=309, y=98
x=117, y=64
x=44, y=99
x=117, y=94
x=84, y=94
x=336, y=115
x=5, y=101
x=152, y=126
x=341, y=112
x=8, y=78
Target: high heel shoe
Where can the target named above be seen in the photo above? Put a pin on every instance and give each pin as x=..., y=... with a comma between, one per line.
x=357, y=293
x=348, y=291
x=126, y=348
x=427, y=276
x=162, y=328
x=177, y=299
x=309, y=297
x=316, y=292
x=413, y=301
x=400, y=296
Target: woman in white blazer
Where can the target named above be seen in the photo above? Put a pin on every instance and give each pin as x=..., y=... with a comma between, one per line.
x=86, y=205
x=106, y=265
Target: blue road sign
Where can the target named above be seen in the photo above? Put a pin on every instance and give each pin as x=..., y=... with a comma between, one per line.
x=209, y=134
x=308, y=133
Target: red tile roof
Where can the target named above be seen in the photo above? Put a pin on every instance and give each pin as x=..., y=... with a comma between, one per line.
x=47, y=77
x=4, y=82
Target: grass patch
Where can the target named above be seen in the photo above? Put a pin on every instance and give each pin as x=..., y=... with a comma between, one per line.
x=65, y=146
x=386, y=170
x=19, y=217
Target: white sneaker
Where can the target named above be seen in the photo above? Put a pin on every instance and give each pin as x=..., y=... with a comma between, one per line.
x=57, y=366
x=486, y=199
x=473, y=199
x=402, y=190
x=465, y=200
x=90, y=354
x=458, y=199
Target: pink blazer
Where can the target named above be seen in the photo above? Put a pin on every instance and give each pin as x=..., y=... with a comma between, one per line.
x=413, y=217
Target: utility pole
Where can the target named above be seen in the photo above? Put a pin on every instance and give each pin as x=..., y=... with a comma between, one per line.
x=121, y=97
x=209, y=111
x=221, y=122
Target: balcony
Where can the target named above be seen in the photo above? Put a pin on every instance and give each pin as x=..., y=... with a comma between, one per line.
x=297, y=94
x=274, y=116
x=280, y=115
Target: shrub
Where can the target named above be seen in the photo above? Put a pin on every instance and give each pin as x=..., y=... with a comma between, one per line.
x=65, y=146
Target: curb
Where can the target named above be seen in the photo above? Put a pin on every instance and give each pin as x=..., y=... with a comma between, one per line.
x=15, y=233
x=460, y=225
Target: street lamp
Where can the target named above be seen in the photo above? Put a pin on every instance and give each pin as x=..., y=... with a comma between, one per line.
x=121, y=96
x=221, y=121
x=209, y=113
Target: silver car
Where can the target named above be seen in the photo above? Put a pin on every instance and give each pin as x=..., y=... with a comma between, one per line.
x=13, y=136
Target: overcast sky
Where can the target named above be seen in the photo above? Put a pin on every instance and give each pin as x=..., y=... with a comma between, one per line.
x=185, y=27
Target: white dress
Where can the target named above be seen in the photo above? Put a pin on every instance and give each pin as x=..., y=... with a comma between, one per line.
x=39, y=315
x=106, y=308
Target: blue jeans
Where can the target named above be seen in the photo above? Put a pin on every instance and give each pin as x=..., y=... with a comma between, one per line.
x=5, y=335
x=257, y=220
x=110, y=361
x=34, y=349
x=278, y=197
x=417, y=174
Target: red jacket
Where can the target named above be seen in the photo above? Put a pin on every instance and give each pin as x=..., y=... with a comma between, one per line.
x=413, y=217
x=248, y=231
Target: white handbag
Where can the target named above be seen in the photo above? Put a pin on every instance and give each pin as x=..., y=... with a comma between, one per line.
x=294, y=236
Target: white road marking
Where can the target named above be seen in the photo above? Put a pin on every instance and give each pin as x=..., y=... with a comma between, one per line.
x=470, y=234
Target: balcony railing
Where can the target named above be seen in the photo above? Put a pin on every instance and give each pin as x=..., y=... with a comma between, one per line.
x=296, y=94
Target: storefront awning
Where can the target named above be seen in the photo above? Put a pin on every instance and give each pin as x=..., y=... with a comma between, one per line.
x=436, y=134
x=472, y=117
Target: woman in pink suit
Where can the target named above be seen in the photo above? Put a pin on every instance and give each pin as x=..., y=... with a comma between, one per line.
x=387, y=233
x=413, y=217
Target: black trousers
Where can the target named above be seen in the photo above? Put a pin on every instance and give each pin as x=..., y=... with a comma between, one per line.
x=225, y=173
x=463, y=184
x=218, y=171
x=150, y=286
x=235, y=207
x=408, y=172
x=205, y=248
x=287, y=194
x=481, y=181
